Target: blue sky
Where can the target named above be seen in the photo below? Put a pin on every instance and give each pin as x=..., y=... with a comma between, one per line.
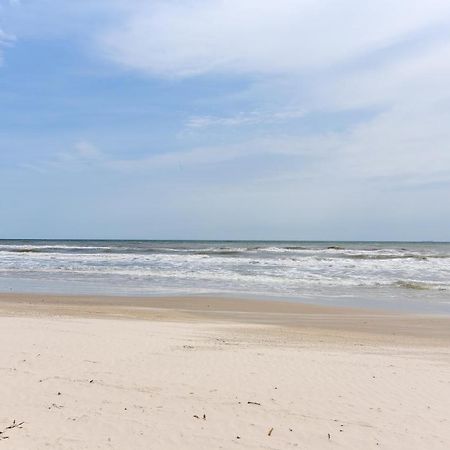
x=216, y=119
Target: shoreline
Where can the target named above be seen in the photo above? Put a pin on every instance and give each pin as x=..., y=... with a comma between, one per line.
x=313, y=320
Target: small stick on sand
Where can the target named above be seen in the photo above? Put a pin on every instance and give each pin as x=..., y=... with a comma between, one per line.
x=10, y=427
x=15, y=425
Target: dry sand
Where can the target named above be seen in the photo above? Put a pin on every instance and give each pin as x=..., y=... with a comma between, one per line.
x=83, y=373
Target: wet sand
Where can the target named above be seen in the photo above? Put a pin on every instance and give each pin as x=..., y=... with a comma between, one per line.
x=369, y=324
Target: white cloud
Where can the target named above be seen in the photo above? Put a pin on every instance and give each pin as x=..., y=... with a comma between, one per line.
x=82, y=155
x=177, y=39
x=87, y=151
x=5, y=41
x=297, y=39
x=245, y=118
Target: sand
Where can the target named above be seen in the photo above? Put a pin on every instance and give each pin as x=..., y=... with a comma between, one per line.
x=185, y=373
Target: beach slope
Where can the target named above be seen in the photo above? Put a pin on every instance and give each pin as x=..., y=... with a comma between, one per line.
x=199, y=377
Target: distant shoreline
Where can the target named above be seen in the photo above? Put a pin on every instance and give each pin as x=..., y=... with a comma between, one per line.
x=312, y=241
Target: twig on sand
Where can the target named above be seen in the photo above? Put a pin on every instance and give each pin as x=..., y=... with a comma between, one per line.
x=14, y=425
x=54, y=405
x=10, y=427
x=270, y=432
x=253, y=403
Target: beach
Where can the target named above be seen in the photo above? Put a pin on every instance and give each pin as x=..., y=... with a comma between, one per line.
x=83, y=372
x=224, y=225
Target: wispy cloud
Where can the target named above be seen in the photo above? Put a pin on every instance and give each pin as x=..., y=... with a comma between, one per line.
x=245, y=118
x=179, y=39
x=86, y=156
x=324, y=52
x=6, y=40
x=81, y=156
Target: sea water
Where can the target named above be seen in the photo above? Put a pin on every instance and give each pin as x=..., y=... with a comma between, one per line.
x=398, y=275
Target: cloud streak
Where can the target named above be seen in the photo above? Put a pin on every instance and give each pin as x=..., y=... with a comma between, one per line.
x=6, y=40
x=180, y=39
x=245, y=118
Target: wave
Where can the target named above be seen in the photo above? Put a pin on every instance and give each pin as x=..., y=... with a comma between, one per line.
x=31, y=248
x=419, y=285
x=219, y=253
x=390, y=256
x=350, y=251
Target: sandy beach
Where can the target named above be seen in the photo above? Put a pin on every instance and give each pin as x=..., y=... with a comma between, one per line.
x=206, y=373
x=224, y=225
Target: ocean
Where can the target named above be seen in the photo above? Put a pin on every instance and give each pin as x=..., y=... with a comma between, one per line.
x=393, y=275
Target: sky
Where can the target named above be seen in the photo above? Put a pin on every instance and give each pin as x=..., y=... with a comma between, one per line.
x=225, y=119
